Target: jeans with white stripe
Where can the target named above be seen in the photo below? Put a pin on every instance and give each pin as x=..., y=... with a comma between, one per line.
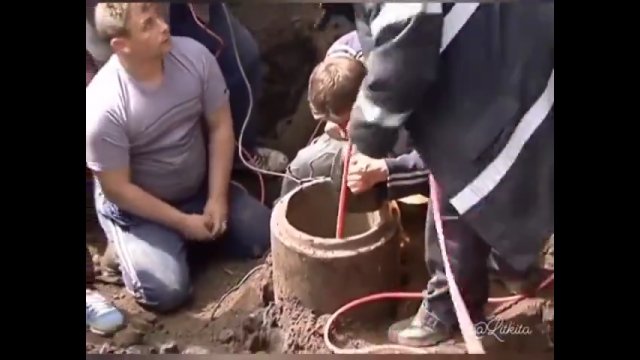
x=153, y=258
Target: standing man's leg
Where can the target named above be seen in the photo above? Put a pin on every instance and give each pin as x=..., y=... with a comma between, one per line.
x=436, y=318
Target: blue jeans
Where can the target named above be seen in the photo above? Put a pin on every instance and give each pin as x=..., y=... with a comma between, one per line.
x=153, y=258
x=183, y=24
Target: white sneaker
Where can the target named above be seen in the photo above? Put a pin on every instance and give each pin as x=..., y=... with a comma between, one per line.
x=270, y=160
x=102, y=317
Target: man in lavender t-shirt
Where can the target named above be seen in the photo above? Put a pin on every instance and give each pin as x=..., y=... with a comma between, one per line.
x=163, y=174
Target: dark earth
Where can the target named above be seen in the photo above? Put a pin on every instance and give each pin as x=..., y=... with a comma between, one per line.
x=247, y=320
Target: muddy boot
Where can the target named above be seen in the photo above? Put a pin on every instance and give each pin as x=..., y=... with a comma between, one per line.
x=423, y=330
x=264, y=159
x=521, y=284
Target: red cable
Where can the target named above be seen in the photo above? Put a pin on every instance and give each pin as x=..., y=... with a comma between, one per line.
x=222, y=44
x=342, y=205
x=400, y=295
x=204, y=27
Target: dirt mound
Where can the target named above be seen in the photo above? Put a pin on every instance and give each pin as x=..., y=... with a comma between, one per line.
x=246, y=319
x=287, y=327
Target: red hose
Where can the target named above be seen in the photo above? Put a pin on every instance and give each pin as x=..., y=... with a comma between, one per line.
x=222, y=44
x=401, y=295
x=342, y=205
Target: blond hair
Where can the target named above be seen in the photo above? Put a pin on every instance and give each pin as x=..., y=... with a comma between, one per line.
x=334, y=85
x=111, y=19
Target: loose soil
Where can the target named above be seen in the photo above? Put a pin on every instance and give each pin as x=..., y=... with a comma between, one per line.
x=248, y=321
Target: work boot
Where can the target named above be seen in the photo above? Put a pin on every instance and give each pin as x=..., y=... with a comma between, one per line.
x=423, y=330
x=270, y=160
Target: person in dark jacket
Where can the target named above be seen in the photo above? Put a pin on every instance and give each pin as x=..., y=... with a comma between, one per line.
x=474, y=86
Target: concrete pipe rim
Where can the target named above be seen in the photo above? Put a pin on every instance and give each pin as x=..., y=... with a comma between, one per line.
x=384, y=227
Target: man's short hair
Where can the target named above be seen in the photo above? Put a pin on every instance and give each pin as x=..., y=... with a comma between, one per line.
x=334, y=86
x=111, y=19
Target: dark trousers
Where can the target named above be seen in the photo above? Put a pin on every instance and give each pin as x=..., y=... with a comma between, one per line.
x=471, y=260
x=468, y=255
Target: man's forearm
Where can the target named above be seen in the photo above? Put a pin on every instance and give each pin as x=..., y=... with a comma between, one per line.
x=221, y=148
x=135, y=200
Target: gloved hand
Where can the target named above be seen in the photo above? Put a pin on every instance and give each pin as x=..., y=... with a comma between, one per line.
x=367, y=201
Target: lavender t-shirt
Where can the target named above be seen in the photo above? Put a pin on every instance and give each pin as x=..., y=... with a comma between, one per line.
x=157, y=132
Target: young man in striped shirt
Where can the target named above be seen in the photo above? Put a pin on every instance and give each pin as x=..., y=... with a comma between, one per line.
x=333, y=86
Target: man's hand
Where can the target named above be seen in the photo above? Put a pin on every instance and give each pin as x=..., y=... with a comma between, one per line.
x=195, y=227
x=365, y=172
x=216, y=213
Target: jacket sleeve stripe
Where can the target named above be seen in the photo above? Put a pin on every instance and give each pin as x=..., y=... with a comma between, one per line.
x=489, y=178
x=395, y=12
x=375, y=114
x=455, y=20
x=406, y=175
x=408, y=182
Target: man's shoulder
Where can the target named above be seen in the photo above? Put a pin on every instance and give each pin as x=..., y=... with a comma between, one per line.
x=104, y=94
x=105, y=79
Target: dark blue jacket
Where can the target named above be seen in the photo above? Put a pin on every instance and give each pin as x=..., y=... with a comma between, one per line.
x=474, y=86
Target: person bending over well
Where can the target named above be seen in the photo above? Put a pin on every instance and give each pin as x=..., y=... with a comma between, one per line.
x=163, y=174
x=333, y=86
